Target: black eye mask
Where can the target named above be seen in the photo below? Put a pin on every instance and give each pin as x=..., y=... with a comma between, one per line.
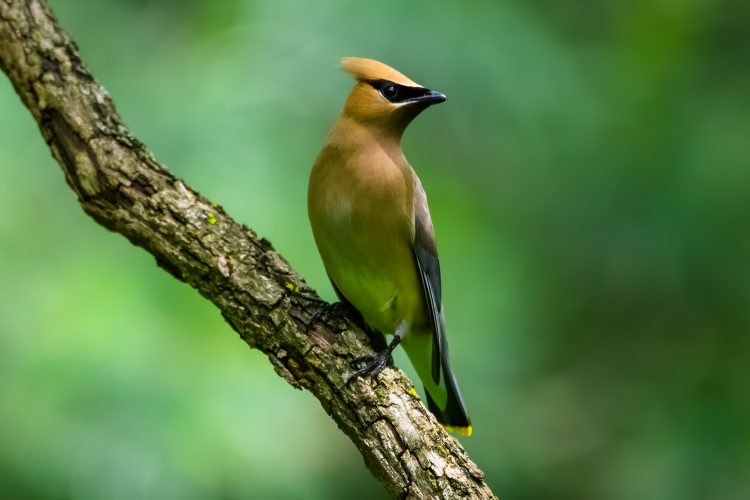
x=399, y=93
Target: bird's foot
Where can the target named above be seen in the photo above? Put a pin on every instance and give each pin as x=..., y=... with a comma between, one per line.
x=370, y=366
x=325, y=313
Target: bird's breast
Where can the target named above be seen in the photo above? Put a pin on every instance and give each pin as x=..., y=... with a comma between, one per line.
x=362, y=219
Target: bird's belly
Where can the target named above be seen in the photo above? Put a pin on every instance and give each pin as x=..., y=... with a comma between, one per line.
x=373, y=294
x=374, y=269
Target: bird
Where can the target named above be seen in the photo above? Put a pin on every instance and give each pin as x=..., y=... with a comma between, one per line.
x=372, y=227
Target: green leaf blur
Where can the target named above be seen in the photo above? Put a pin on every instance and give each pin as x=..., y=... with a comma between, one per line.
x=589, y=178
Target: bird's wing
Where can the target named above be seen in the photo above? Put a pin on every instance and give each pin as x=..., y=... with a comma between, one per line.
x=428, y=265
x=451, y=411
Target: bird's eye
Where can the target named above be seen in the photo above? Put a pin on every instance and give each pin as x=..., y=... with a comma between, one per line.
x=389, y=91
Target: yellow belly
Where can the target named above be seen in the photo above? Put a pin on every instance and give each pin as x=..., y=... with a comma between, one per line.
x=375, y=272
x=361, y=208
x=368, y=256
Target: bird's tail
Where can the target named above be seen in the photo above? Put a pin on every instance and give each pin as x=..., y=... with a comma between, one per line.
x=454, y=417
x=433, y=367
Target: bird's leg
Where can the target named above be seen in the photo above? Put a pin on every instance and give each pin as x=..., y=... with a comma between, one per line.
x=375, y=364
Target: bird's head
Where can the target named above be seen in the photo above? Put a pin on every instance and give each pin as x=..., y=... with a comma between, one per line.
x=384, y=97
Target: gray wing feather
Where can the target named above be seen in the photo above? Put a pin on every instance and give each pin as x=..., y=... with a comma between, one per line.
x=428, y=265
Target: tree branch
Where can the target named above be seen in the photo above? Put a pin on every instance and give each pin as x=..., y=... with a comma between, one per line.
x=122, y=186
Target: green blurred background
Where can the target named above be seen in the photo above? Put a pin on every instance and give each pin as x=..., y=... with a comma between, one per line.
x=589, y=179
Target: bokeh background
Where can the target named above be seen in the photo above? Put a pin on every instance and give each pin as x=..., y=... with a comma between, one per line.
x=589, y=179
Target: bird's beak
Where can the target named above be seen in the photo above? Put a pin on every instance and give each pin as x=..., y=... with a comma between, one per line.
x=429, y=97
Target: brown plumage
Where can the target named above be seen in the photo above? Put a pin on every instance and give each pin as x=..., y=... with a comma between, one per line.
x=372, y=226
x=365, y=70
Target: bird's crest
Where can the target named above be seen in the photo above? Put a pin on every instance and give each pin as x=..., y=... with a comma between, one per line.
x=368, y=70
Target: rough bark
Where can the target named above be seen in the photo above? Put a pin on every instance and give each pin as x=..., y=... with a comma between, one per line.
x=122, y=186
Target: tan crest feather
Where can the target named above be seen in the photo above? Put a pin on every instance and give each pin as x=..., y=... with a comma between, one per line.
x=369, y=69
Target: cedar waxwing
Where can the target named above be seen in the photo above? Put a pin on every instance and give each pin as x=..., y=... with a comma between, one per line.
x=372, y=226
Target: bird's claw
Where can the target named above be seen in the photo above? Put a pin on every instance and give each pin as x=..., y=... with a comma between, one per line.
x=372, y=365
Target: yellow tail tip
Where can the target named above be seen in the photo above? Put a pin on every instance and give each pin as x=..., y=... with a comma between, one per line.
x=464, y=431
